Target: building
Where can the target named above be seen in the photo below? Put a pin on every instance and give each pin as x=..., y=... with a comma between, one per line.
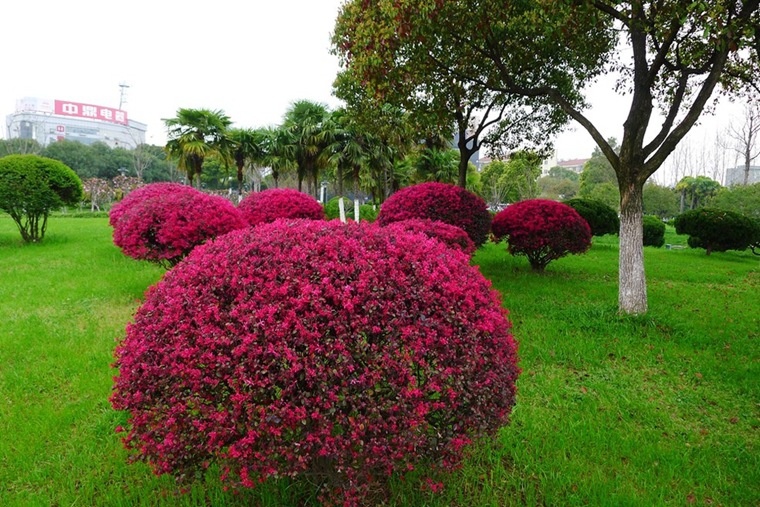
x=47, y=121
x=575, y=165
x=735, y=175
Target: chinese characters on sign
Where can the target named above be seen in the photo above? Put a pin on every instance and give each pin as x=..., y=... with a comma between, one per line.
x=89, y=111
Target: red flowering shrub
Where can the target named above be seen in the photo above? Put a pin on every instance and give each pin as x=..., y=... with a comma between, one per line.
x=439, y=201
x=140, y=194
x=450, y=235
x=313, y=348
x=269, y=205
x=542, y=231
x=165, y=226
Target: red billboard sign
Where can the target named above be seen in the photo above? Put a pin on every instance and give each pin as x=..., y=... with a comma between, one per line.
x=66, y=108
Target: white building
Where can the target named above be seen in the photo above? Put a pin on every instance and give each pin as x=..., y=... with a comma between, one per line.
x=735, y=175
x=47, y=121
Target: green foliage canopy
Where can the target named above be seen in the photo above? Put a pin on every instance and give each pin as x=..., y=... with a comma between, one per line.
x=31, y=187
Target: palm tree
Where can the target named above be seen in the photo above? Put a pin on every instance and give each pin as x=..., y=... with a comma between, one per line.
x=347, y=150
x=279, y=151
x=305, y=121
x=247, y=148
x=195, y=134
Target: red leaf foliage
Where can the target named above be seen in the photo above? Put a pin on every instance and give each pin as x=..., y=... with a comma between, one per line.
x=542, y=230
x=450, y=235
x=269, y=205
x=439, y=201
x=164, y=226
x=139, y=195
x=341, y=352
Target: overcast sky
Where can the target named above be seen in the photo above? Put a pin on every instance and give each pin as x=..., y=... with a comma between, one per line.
x=250, y=59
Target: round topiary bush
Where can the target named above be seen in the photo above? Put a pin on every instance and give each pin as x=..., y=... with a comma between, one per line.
x=439, y=201
x=269, y=205
x=600, y=217
x=654, y=231
x=165, y=226
x=342, y=353
x=366, y=212
x=542, y=231
x=31, y=187
x=449, y=235
x=140, y=194
x=717, y=230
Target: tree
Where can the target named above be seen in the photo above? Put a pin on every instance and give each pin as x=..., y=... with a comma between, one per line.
x=563, y=173
x=18, y=146
x=743, y=199
x=247, y=147
x=660, y=201
x=698, y=190
x=745, y=136
x=305, y=123
x=557, y=189
x=596, y=171
x=73, y=154
x=195, y=134
x=601, y=218
x=718, y=230
x=520, y=175
x=670, y=54
x=348, y=151
x=31, y=187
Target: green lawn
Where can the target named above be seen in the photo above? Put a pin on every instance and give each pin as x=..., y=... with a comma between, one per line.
x=654, y=410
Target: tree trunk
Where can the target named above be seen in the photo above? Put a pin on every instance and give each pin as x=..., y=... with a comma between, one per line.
x=632, y=298
x=464, y=161
x=747, y=162
x=356, y=196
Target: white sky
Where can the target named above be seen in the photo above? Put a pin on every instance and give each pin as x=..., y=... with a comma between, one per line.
x=250, y=59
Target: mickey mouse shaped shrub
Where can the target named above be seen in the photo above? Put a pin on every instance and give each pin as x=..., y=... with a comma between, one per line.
x=166, y=224
x=542, y=230
x=342, y=353
x=269, y=205
x=439, y=201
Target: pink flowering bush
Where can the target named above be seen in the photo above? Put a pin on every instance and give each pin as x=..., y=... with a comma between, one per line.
x=341, y=353
x=163, y=227
x=542, y=230
x=450, y=235
x=269, y=205
x=439, y=201
x=140, y=194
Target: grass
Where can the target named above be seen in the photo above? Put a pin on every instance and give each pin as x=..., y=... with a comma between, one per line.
x=661, y=409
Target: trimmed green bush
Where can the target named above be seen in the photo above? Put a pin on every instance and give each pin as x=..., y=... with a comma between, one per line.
x=600, y=217
x=31, y=187
x=717, y=230
x=654, y=231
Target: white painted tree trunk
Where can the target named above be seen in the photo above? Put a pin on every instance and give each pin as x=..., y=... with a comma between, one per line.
x=632, y=298
x=356, y=210
x=342, y=208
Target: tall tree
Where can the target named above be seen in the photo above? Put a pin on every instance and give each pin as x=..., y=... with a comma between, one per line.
x=246, y=148
x=745, y=136
x=195, y=134
x=305, y=122
x=669, y=53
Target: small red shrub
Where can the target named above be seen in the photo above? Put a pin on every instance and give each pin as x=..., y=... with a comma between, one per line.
x=542, y=230
x=269, y=205
x=439, y=201
x=165, y=226
x=450, y=235
x=140, y=194
x=310, y=348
